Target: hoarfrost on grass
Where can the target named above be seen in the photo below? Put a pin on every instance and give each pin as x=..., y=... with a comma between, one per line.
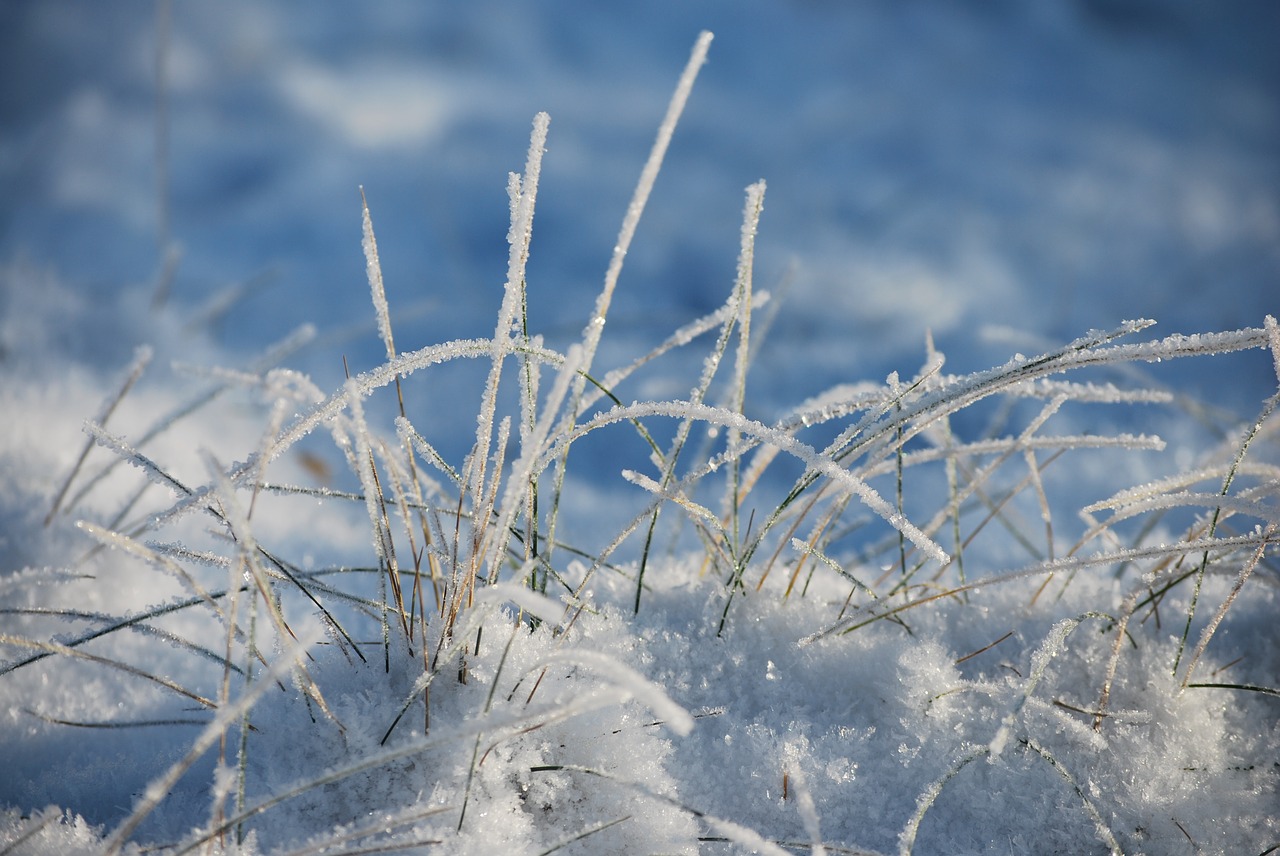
x=868, y=690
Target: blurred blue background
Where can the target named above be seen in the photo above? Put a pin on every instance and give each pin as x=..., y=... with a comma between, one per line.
x=1005, y=175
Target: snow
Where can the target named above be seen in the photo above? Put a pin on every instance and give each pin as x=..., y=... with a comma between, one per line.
x=844, y=595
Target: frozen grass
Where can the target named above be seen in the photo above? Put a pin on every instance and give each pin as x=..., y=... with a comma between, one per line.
x=858, y=628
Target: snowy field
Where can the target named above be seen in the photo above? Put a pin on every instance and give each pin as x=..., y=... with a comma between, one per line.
x=355, y=496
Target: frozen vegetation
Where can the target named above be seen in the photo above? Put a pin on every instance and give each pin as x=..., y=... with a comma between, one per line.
x=278, y=579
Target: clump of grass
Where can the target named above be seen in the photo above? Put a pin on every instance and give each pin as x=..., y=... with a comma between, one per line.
x=869, y=490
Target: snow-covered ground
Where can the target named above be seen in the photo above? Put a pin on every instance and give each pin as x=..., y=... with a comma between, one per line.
x=976, y=180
